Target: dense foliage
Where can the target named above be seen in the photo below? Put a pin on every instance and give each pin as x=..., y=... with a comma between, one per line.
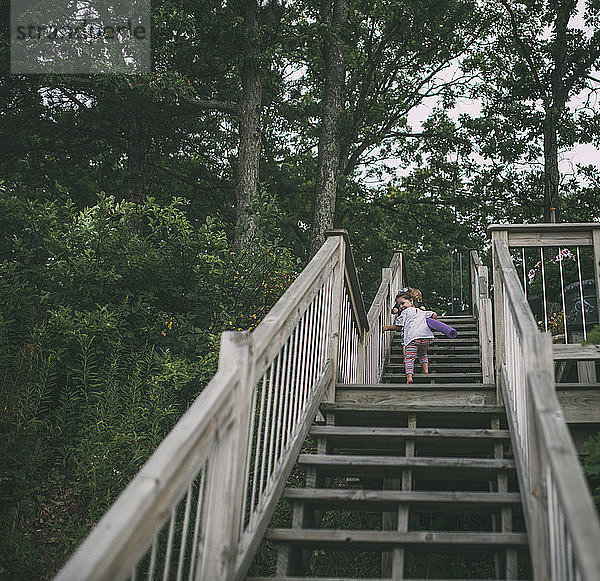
x=106, y=337
x=112, y=304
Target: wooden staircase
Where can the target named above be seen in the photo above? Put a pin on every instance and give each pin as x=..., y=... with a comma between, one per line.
x=408, y=482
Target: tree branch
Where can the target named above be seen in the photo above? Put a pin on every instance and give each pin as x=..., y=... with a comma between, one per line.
x=210, y=105
x=586, y=64
x=525, y=51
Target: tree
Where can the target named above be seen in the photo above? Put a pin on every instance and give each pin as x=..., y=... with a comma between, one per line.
x=248, y=161
x=333, y=17
x=393, y=56
x=539, y=60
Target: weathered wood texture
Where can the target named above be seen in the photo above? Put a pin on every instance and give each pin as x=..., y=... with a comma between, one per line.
x=332, y=495
x=546, y=234
x=572, y=518
x=413, y=433
x=575, y=351
x=552, y=483
x=448, y=394
x=395, y=409
x=498, y=304
x=359, y=538
x=382, y=462
x=579, y=406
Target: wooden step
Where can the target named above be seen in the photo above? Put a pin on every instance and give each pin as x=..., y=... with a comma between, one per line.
x=404, y=433
x=386, y=499
x=280, y=578
x=396, y=411
x=422, y=387
x=443, y=340
x=437, y=366
x=393, y=393
x=425, y=410
x=373, y=540
x=398, y=357
x=462, y=333
x=446, y=350
x=358, y=464
x=440, y=377
x=384, y=440
x=446, y=344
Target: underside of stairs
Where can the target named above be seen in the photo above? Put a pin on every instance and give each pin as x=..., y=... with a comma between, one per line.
x=404, y=481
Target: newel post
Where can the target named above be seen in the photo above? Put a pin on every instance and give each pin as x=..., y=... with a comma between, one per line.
x=474, y=293
x=497, y=236
x=336, y=312
x=227, y=465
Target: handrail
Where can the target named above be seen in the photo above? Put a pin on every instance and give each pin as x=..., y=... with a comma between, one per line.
x=482, y=310
x=377, y=343
x=563, y=528
x=353, y=282
x=200, y=505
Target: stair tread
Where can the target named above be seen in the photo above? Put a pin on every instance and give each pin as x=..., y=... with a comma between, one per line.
x=437, y=363
x=436, y=375
x=577, y=385
x=471, y=332
x=391, y=538
x=401, y=496
x=279, y=578
x=442, y=339
x=354, y=460
x=440, y=356
x=410, y=408
x=447, y=350
x=474, y=386
x=416, y=433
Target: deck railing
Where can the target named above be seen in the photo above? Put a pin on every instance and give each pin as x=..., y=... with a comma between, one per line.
x=378, y=343
x=563, y=527
x=482, y=311
x=199, y=506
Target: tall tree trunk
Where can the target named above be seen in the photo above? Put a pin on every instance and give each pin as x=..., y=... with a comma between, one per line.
x=333, y=15
x=138, y=146
x=555, y=108
x=551, y=172
x=248, y=161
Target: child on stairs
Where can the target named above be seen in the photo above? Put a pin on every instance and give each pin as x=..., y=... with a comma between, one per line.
x=416, y=333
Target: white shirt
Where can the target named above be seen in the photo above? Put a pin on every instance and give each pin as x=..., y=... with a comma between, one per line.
x=414, y=323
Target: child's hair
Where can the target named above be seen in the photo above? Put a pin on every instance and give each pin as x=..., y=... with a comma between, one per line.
x=416, y=295
x=411, y=293
x=405, y=295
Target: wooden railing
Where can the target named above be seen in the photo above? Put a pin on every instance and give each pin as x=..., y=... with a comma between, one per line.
x=482, y=311
x=200, y=505
x=378, y=343
x=562, y=523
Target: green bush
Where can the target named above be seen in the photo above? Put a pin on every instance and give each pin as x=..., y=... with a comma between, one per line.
x=591, y=465
x=106, y=337
x=591, y=462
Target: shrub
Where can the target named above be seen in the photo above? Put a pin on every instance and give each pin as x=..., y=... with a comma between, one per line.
x=106, y=337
